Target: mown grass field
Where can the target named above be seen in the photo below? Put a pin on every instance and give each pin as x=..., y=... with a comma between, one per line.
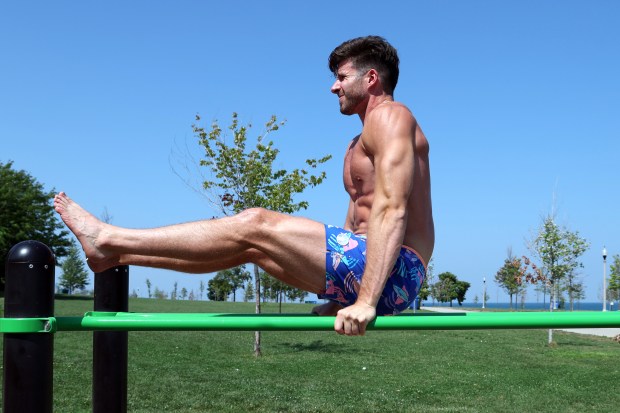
x=399, y=371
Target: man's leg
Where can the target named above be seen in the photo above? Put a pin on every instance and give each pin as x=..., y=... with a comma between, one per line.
x=289, y=248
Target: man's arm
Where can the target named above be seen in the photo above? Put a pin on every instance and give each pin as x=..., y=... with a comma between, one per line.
x=389, y=139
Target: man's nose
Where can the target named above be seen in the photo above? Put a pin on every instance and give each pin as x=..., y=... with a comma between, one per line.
x=335, y=87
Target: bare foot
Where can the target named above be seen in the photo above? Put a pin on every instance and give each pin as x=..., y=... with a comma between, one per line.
x=329, y=308
x=87, y=229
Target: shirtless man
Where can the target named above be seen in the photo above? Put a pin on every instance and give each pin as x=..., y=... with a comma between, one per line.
x=375, y=265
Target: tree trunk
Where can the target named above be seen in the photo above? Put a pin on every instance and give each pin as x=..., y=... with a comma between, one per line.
x=257, y=350
x=551, y=302
x=280, y=299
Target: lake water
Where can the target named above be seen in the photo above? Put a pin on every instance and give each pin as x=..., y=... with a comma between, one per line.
x=578, y=306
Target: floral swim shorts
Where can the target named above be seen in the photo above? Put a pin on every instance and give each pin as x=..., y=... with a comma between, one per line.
x=344, y=268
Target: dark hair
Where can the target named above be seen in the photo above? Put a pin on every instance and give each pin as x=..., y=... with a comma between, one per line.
x=370, y=52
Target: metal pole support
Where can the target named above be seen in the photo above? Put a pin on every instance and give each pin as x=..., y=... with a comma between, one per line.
x=110, y=347
x=28, y=357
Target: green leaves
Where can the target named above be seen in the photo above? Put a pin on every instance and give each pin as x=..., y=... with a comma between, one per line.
x=74, y=274
x=26, y=213
x=449, y=288
x=558, y=249
x=245, y=178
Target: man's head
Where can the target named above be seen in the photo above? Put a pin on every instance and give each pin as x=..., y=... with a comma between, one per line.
x=365, y=53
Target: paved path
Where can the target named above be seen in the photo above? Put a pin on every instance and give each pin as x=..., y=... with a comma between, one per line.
x=604, y=332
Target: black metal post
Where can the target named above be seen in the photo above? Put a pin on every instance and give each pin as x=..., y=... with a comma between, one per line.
x=28, y=357
x=110, y=347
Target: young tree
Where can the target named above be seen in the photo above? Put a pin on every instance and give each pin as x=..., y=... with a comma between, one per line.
x=74, y=274
x=26, y=212
x=508, y=276
x=183, y=293
x=239, y=178
x=558, y=250
x=148, y=287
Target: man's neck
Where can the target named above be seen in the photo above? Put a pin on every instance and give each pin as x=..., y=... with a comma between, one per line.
x=373, y=102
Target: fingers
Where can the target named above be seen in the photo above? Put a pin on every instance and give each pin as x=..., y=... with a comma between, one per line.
x=350, y=324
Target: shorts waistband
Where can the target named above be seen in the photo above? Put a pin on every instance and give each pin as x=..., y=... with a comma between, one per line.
x=417, y=255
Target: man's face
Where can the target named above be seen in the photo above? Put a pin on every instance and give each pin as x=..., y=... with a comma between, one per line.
x=349, y=86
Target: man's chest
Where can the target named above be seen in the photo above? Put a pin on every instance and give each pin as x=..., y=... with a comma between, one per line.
x=358, y=171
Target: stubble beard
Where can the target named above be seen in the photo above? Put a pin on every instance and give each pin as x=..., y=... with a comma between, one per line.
x=349, y=103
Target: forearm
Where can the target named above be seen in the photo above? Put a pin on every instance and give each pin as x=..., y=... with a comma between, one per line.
x=385, y=237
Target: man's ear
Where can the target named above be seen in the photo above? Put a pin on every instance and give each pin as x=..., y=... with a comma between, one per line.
x=372, y=78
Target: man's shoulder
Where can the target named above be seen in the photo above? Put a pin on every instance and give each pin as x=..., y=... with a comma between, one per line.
x=390, y=112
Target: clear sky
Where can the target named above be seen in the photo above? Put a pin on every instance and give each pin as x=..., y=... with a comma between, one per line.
x=520, y=101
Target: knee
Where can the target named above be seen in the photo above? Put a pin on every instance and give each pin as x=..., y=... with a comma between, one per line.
x=254, y=217
x=256, y=223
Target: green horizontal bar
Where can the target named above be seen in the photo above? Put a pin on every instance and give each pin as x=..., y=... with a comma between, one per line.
x=28, y=325
x=303, y=322
x=102, y=321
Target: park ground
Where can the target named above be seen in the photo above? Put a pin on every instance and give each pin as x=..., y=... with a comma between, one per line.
x=399, y=371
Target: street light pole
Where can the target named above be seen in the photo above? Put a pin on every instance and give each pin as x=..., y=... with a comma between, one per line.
x=484, y=291
x=604, y=279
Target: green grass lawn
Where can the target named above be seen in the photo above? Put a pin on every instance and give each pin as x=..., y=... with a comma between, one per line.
x=397, y=371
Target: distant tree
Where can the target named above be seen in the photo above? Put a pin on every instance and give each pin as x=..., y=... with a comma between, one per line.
x=191, y=297
x=461, y=291
x=267, y=291
x=202, y=289
x=160, y=294
x=574, y=288
x=237, y=277
x=296, y=294
x=26, y=213
x=445, y=289
x=74, y=275
x=544, y=288
x=174, y=293
x=614, y=278
x=248, y=293
x=148, y=288
x=508, y=277
x=219, y=287
x=183, y=293
x=429, y=280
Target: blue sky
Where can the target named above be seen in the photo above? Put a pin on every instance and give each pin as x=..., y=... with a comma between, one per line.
x=520, y=101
